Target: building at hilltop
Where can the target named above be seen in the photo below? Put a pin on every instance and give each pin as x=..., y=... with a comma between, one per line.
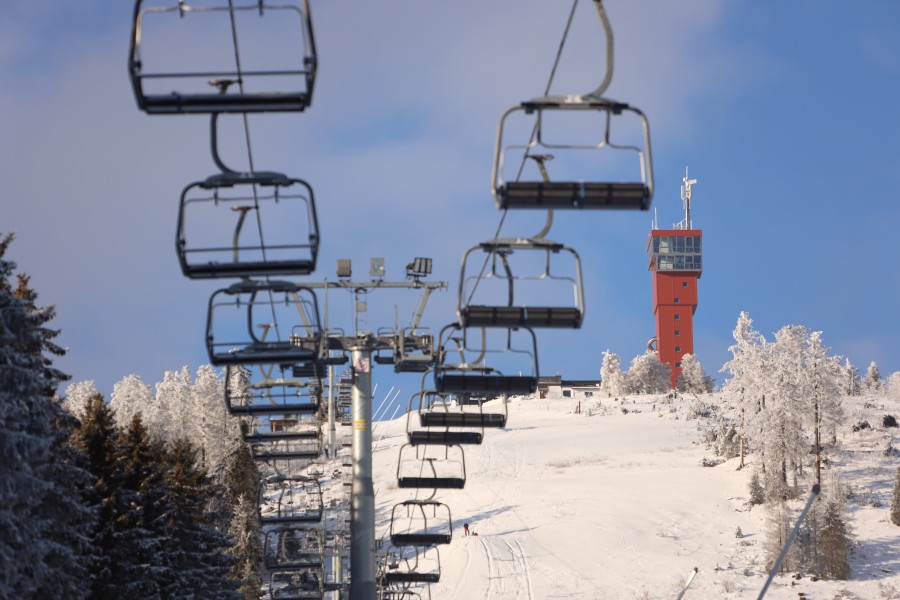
x=675, y=263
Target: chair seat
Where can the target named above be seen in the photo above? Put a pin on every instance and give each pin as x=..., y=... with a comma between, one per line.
x=521, y=316
x=574, y=194
x=163, y=104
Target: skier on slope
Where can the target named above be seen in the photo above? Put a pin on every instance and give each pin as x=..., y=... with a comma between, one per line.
x=466, y=528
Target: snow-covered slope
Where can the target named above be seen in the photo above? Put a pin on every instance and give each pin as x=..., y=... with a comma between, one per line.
x=613, y=502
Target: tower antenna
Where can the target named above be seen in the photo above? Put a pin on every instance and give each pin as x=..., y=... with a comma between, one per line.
x=686, y=201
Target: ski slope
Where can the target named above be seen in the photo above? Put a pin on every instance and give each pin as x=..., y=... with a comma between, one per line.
x=614, y=504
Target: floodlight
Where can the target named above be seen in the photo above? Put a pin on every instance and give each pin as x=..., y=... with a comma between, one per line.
x=343, y=268
x=376, y=268
x=419, y=267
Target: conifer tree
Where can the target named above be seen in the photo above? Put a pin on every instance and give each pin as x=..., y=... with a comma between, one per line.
x=647, y=375
x=123, y=565
x=834, y=542
x=747, y=382
x=611, y=377
x=129, y=397
x=872, y=383
x=241, y=483
x=196, y=556
x=43, y=548
x=77, y=396
x=693, y=378
x=895, y=502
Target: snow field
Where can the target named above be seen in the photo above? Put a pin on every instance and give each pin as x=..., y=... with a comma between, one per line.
x=608, y=505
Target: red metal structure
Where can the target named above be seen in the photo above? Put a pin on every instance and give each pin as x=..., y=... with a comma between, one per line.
x=675, y=261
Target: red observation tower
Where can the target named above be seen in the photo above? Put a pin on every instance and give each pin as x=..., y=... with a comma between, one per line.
x=675, y=261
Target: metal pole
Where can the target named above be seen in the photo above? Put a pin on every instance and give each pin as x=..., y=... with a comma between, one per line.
x=331, y=438
x=362, y=503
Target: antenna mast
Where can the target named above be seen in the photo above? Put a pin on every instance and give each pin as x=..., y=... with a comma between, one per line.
x=686, y=201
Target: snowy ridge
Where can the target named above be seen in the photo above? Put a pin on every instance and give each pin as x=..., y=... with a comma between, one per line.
x=613, y=503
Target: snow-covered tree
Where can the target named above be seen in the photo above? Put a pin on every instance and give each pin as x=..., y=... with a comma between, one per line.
x=241, y=483
x=778, y=529
x=895, y=502
x=130, y=396
x=213, y=425
x=611, y=377
x=43, y=517
x=647, y=375
x=747, y=384
x=77, y=396
x=195, y=553
x=835, y=542
x=821, y=390
x=872, y=382
x=693, y=378
x=893, y=384
x=171, y=417
x=782, y=437
x=852, y=385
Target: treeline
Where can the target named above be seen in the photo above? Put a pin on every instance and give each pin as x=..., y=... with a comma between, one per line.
x=92, y=508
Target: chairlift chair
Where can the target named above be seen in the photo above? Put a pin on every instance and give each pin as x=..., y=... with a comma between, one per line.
x=304, y=584
x=219, y=56
x=271, y=394
x=247, y=224
x=263, y=322
x=291, y=500
x=293, y=548
x=583, y=185
x=507, y=288
x=577, y=131
x=434, y=432
x=461, y=367
x=414, y=350
x=421, y=523
x=270, y=449
x=421, y=565
x=461, y=411
x=431, y=466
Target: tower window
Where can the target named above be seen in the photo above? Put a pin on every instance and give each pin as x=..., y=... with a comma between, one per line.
x=677, y=332
x=684, y=284
x=677, y=317
x=678, y=365
x=676, y=300
x=677, y=348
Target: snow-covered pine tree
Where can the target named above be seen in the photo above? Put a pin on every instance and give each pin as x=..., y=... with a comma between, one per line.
x=747, y=369
x=174, y=418
x=215, y=427
x=43, y=549
x=240, y=480
x=77, y=396
x=778, y=529
x=852, y=385
x=757, y=494
x=123, y=565
x=895, y=502
x=872, y=382
x=647, y=375
x=693, y=378
x=196, y=553
x=130, y=396
x=820, y=391
x=611, y=376
x=782, y=437
x=246, y=548
x=893, y=385
x=835, y=542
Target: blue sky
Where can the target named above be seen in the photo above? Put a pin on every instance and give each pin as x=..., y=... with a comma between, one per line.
x=784, y=111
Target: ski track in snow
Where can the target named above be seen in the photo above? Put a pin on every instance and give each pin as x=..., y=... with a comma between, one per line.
x=491, y=574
